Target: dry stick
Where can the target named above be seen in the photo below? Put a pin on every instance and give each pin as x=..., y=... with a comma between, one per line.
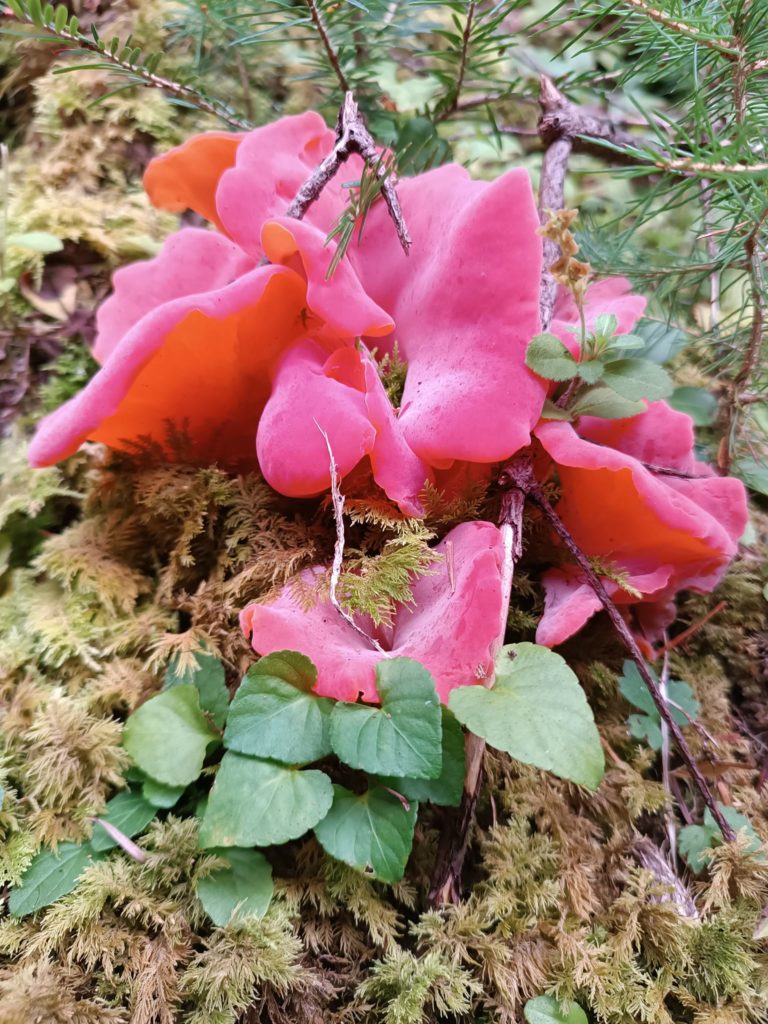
x=621, y=627
x=352, y=136
x=337, y=499
x=454, y=838
x=665, y=762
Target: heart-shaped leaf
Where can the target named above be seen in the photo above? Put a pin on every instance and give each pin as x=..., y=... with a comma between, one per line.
x=258, y=803
x=242, y=889
x=275, y=714
x=402, y=737
x=159, y=795
x=372, y=832
x=546, y=1010
x=168, y=735
x=209, y=679
x=537, y=712
x=446, y=790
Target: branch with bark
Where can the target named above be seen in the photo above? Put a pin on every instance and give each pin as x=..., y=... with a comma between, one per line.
x=352, y=136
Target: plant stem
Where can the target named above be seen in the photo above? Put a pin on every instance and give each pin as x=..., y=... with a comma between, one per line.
x=621, y=627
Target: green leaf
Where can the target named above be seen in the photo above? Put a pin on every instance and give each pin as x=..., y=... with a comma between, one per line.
x=546, y=1010
x=604, y=402
x=606, y=325
x=168, y=735
x=274, y=713
x=695, y=841
x=548, y=356
x=662, y=342
x=537, y=712
x=159, y=795
x=209, y=679
x=404, y=735
x=50, y=876
x=683, y=706
x=36, y=241
x=700, y=405
x=634, y=379
x=243, y=889
x=646, y=729
x=446, y=790
x=753, y=473
x=129, y=812
x=626, y=342
x=372, y=832
x=591, y=370
x=258, y=803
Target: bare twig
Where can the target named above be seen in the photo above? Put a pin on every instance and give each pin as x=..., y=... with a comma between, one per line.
x=352, y=136
x=665, y=761
x=454, y=839
x=149, y=78
x=681, y=638
x=322, y=30
x=338, y=548
x=536, y=495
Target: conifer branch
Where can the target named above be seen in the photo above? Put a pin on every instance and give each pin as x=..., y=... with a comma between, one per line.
x=722, y=46
x=352, y=136
x=322, y=30
x=124, y=59
x=466, y=37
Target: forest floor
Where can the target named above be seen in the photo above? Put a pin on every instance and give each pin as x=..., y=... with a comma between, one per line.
x=110, y=565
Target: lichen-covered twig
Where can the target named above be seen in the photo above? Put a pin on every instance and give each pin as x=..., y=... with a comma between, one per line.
x=352, y=136
x=557, y=137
